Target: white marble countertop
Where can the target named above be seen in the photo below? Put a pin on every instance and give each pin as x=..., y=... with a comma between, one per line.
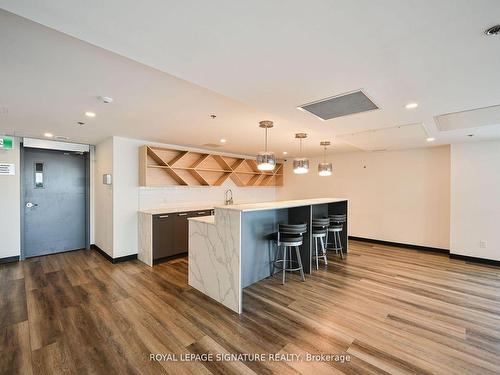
x=203, y=219
x=280, y=204
x=174, y=209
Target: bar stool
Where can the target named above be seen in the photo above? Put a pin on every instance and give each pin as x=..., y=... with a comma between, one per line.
x=319, y=234
x=335, y=227
x=288, y=236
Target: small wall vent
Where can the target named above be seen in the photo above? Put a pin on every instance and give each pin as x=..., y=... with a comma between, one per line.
x=212, y=145
x=340, y=105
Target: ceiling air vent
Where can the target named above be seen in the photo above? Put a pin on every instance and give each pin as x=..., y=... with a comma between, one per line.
x=211, y=145
x=340, y=105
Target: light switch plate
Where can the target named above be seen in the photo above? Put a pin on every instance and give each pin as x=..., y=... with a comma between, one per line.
x=107, y=179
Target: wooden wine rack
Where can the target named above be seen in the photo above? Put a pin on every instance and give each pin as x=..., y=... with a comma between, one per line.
x=166, y=167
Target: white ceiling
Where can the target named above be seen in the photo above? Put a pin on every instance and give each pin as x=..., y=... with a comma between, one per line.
x=263, y=58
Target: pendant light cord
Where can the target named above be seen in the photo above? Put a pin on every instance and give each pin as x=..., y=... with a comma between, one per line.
x=266, y=140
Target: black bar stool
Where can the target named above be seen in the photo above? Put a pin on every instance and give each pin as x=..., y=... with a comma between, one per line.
x=335, y=227
x=288, y=236
x=319, y=234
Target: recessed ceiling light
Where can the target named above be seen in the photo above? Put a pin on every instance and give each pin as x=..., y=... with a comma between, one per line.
x=411, y=105
x=285, y=153
x=222, y=140
x=48, y=135
x=431, y=139
x=90, y=114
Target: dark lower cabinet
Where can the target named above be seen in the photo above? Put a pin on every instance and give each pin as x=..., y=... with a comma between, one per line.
x=163, y=236
x=171, y=233
x=181, y=229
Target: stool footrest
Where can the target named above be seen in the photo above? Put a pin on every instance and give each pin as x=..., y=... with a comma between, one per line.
x=334, y=248
x=280, y=267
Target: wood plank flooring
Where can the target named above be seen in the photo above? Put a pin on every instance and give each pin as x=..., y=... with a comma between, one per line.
x=391, y=310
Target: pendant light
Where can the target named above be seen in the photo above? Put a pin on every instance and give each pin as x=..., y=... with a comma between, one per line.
x=266, y=161
x=324, y=168
x=300, y=164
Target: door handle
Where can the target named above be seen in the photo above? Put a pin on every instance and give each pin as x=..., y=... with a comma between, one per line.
x=201, y=213
x=181, y=214
x=30, y=205
x=162, y=216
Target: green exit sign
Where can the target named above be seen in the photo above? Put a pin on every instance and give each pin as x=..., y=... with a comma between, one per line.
x=6, y=143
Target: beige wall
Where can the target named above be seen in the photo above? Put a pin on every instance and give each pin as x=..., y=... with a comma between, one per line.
x=398, y=196
x=103, y=197
x=475, y=199
x=10, y=205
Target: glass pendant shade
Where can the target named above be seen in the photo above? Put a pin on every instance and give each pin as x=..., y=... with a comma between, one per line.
x=300, y=166
x=325, y=169
x=266, y=161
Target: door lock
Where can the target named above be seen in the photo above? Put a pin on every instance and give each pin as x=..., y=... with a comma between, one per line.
x=31, y=205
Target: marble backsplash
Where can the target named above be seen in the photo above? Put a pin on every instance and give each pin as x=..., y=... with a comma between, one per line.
x=152, y=198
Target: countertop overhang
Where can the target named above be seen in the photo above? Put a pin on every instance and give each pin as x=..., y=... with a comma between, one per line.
x=203, y=219
x=273, y=205
x=175, y=209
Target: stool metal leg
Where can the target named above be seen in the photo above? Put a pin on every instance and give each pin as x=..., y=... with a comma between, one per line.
x=297, y=251
x=316, y=249
x=335, y=246
x=327, y=236
x=276, y=256
x=340, y=245
x=284, y=265
x=323, y=250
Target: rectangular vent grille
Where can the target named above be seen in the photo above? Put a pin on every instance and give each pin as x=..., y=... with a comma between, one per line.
x=211, y=145
x=340, y=105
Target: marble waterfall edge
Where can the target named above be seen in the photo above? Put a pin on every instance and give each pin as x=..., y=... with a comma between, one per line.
x=214, y=258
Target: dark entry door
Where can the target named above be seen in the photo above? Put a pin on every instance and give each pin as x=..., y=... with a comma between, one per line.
x=54, y=201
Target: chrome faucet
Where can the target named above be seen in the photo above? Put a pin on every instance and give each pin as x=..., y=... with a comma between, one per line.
x=230, y=199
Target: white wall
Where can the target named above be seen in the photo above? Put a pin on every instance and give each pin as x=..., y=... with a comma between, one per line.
x=92, y=183
x=398, y=196
x=475, y=199
x=10, y=205
x=209, y=196
x=103, y=197
x=128, y=197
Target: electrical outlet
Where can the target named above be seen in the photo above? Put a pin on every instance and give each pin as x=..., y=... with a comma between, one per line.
x=483, y=244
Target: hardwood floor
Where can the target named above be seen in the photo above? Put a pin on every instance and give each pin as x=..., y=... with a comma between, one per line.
x=391, y=310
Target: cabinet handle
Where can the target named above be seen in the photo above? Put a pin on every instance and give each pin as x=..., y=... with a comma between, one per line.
x=202, y=213
x=163, y=216
x=181, y=214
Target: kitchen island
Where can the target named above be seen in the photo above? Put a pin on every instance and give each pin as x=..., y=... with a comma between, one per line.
x=234, y=249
